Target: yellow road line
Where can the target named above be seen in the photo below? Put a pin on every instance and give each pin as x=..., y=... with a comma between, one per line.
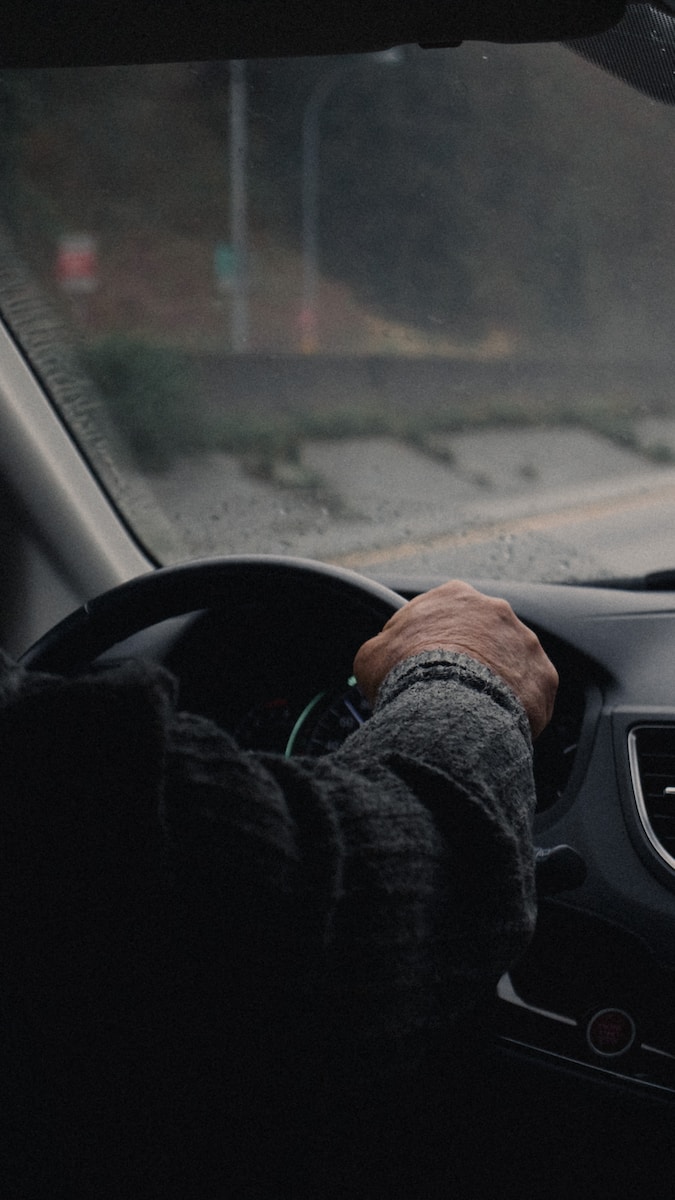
x=595, y=511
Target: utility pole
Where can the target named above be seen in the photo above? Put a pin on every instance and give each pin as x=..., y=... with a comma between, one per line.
x=238, y=204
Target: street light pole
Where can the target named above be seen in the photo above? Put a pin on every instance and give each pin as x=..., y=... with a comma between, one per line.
x=238, y=214
x=310, y=208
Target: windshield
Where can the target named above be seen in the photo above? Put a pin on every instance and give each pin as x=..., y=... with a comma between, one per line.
x=408, y=312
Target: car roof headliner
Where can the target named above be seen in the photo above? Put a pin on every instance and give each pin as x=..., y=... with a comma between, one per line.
x=35, y=33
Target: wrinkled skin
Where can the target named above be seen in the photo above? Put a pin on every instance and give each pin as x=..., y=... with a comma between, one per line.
x=458, y=618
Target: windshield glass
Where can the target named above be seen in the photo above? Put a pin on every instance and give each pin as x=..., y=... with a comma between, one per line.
x=407, y=312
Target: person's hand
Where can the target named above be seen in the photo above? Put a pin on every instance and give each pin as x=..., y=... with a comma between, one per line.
x=457, y=617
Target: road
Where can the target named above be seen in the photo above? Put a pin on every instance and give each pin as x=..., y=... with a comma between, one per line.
x=520, y=504
x=620, y=535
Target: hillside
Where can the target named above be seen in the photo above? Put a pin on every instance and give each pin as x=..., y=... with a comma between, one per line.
x=472, y=203
x=475, y=202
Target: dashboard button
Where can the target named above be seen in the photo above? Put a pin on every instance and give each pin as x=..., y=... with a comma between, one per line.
x=610, y=1032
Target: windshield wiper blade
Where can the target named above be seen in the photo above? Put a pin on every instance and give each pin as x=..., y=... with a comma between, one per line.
x=654, y=581
x=659, y=581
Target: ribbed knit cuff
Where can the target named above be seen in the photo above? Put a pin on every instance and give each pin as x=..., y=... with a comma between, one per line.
x=453, y=667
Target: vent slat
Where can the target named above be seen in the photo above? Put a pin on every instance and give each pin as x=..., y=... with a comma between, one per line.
x=653, y=770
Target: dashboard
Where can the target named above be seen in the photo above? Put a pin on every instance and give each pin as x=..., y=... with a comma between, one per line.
x=595, y=993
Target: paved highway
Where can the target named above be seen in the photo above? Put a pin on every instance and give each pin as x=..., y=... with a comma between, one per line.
x=620, y=535
x=522, y=504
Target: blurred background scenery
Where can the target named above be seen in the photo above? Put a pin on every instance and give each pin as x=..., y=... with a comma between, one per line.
x=409, y=245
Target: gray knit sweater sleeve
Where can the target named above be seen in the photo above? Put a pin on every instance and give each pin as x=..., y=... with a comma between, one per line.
x=227, y=954
x=389, y=883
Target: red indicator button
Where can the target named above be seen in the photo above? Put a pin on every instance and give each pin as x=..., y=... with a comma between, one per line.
x=610, y=1032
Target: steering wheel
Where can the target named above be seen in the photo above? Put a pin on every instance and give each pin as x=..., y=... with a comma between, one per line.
x=241, y=584
x=209, y=584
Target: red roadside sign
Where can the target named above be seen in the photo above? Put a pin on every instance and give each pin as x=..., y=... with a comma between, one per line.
x=77, y=264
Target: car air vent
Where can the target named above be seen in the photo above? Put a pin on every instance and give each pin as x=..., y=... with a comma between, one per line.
x=651, y=750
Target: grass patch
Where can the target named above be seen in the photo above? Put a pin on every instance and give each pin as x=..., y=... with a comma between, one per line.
x=659, y=452
x=270, y=447
x=152, y=399
x=148, y=394
x=616, y=427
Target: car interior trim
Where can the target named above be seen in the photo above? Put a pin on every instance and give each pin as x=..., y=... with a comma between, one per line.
x=62, y=502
